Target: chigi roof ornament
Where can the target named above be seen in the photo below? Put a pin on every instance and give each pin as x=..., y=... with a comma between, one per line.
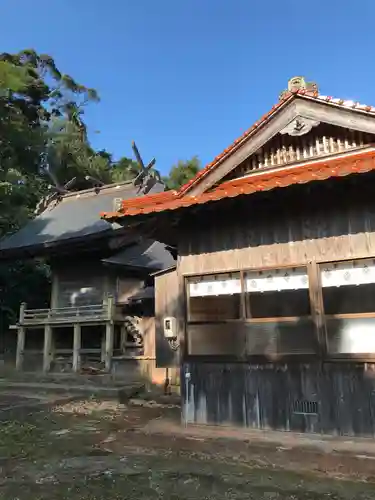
x=299, y=83
x=147, y=176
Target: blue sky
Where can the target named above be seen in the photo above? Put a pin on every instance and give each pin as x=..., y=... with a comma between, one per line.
x=186, y=77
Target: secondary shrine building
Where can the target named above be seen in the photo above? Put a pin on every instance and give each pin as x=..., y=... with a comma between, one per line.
x=101, y=309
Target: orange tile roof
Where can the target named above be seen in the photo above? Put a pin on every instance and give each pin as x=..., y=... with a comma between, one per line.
x=262, y=181
x=174, y=199
x=287, y=97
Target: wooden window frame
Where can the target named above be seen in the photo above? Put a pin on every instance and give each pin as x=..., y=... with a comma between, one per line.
x=317, y=316
x=273, y=319
x=367, y=358
x=243, y=306
x=243, y=315
x=187, y=295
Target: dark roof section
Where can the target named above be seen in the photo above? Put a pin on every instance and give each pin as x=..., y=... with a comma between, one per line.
x=147, y=254
x=75, y=217
x=147, y=293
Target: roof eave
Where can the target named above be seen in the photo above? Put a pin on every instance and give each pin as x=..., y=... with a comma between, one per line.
x=266, y=181
x=43, y=249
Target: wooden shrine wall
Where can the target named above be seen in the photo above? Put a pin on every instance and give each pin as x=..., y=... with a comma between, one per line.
x=290, y=226
x=328, y=398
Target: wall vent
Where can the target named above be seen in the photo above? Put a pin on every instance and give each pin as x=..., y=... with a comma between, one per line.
x=303, y=407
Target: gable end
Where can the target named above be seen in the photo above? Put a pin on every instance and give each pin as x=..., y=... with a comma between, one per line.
x=282, y=119
x=290, y=147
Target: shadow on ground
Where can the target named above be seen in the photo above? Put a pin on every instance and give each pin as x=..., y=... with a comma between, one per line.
x=91, y=449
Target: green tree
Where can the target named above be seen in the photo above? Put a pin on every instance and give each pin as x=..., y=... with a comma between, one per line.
x=21, y=147
x=125, y=169
x=43, y=138
x=41, y=131
x=50, y=104
x=182, y=172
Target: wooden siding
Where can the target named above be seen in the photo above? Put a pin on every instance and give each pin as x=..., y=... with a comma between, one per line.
x=292, y=226
x=147, y=327
x=168, y=302
x=322, y=398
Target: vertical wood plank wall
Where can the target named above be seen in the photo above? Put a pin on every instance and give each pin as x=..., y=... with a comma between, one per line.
x=167, y=303
x=264, y=396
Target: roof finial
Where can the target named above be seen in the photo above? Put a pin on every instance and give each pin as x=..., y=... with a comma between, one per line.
x=299, y=83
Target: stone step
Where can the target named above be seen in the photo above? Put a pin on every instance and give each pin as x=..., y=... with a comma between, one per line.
x=124, y=390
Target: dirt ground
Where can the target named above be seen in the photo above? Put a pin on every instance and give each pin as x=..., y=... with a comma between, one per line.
x=103, y=450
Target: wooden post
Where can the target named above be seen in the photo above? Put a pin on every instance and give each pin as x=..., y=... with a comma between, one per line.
x=77, y=348
x=47, y=350
x=109, y=334
x=20, y=338
x=123, y=338
x=20, y=347
x=102, y=357
x=110, y=307
x=316, y=303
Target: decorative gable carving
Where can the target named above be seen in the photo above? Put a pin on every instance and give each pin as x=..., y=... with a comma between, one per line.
x=302, y=140
x=299, y=126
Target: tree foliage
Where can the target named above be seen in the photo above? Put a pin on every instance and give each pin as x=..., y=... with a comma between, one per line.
x=182, y=172
x=43, y=141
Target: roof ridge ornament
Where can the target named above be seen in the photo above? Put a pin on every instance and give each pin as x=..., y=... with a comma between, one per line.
x=56, y=192
x=298, y=83
x=147, y=177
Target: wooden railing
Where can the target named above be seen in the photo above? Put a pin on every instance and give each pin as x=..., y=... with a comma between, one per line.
x=82, y=314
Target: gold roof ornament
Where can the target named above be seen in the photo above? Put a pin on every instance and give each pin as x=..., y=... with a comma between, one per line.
x=299, y=83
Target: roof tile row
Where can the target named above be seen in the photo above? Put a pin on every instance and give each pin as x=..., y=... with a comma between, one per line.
x=264, y=181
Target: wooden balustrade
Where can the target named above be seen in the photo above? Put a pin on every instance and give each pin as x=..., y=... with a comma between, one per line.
x=48, y=319
x=82, y=314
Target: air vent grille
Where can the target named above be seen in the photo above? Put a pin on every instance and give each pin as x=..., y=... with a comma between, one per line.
x=303, y=407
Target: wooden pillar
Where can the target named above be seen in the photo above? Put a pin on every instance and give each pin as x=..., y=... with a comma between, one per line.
x=123, y=338
x=109, y=335
x=20, y=347
x=20, y=338
x=77, y=348
x=102, y=356
x=47, y=350
x=109, y=303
